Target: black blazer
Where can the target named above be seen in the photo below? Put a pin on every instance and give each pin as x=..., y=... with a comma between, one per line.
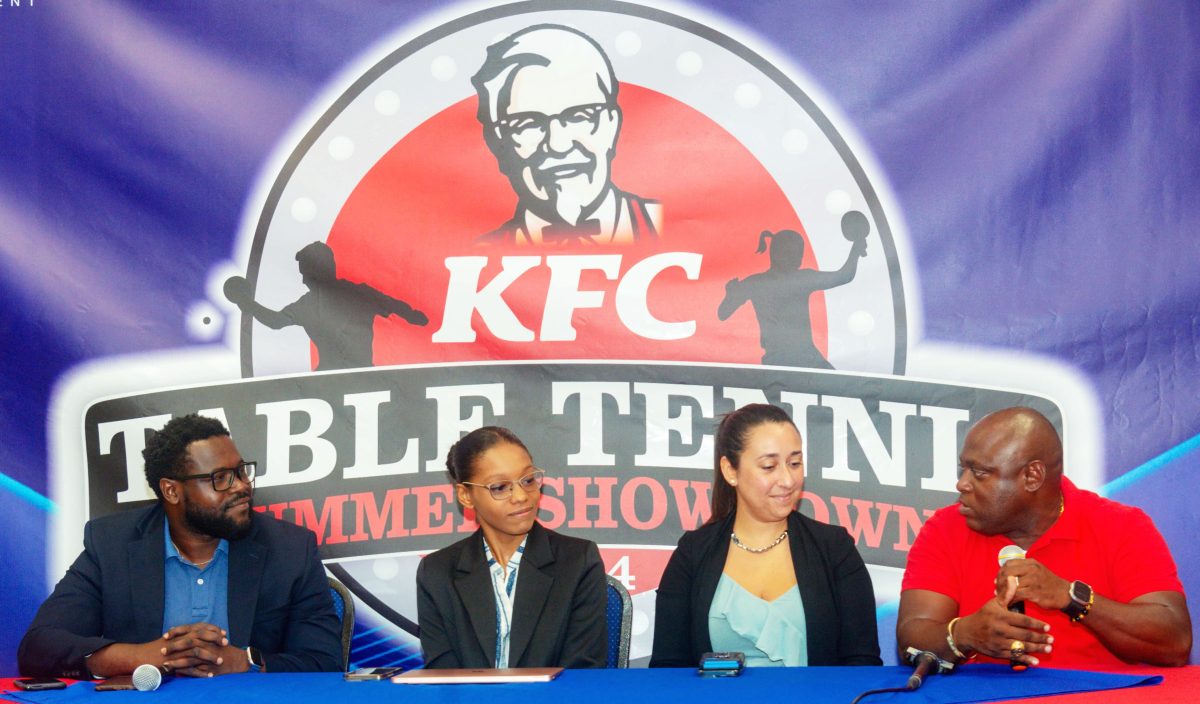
x=839, y=603
x=558, y=611
x=278, y=597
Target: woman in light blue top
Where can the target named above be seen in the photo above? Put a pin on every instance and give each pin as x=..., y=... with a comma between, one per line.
x=759, y=577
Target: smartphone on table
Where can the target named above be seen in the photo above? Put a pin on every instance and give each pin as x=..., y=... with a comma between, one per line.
x=363, y=674
x=728, y=664
x=33, y=684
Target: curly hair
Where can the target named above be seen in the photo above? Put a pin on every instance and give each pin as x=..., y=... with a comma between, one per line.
x=166, y=450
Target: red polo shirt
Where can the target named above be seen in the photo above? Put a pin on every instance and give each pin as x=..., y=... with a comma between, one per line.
x=1112, y=547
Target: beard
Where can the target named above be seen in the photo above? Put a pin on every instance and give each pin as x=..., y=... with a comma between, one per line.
x=217, y=523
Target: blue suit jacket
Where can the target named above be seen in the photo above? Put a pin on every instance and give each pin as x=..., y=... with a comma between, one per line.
x=278, y=597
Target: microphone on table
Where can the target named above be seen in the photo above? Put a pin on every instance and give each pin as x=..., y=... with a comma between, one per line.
x=924, y=664
x=147, y=678
x=1014, y=552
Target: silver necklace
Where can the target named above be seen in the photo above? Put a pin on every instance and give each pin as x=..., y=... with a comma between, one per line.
x=780, y=539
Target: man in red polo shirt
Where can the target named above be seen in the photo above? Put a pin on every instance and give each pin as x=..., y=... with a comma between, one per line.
x=1097, y=583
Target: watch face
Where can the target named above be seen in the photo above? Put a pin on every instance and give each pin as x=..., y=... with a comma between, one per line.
x=1081, y=592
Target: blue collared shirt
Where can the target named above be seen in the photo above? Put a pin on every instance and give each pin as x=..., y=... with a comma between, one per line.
x=195, y=595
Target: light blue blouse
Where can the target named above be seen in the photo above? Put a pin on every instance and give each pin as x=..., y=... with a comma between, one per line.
x=769, y=633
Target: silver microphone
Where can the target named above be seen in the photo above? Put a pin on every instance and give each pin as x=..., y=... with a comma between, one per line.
x=1012, y=552
x=147, y=678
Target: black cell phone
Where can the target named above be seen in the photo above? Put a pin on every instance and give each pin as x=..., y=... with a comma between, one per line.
x=371, y=673
x=33, y=684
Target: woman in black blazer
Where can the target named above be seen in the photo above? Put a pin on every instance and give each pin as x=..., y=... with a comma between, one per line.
x=513, y=594
x=788, y=590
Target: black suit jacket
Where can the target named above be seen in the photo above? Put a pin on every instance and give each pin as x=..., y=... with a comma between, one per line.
x=558, y=611
x=278, y=597
x=839, y=603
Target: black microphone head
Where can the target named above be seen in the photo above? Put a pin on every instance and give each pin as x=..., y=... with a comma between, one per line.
x=147, y=678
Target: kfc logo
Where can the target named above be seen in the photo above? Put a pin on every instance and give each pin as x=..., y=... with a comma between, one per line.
x=548, y=106
x=581, y=184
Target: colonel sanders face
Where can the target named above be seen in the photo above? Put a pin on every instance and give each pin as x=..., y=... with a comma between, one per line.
x=548, y=104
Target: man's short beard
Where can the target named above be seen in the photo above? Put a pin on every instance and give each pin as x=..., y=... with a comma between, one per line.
x=216, y=523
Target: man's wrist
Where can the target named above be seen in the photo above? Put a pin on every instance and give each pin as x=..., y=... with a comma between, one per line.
x=1064, y=594
x=114, y=659
x=96, y=662
x=961, y=652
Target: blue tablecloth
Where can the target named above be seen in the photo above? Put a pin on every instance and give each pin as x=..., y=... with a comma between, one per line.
x=803, y=685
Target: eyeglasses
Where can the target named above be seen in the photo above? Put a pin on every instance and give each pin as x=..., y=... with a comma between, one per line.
x=532, y=126
x=222, y=479
x=502, y=490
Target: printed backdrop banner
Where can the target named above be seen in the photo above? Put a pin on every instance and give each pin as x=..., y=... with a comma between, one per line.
x=355, y=232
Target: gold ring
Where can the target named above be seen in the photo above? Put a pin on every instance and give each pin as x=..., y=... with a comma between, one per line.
x=1017, y=647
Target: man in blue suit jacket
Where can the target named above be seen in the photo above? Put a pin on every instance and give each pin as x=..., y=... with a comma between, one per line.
x=198, y=583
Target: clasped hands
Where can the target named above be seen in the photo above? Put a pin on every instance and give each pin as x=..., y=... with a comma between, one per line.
x=995, y=631
x=197, y=650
